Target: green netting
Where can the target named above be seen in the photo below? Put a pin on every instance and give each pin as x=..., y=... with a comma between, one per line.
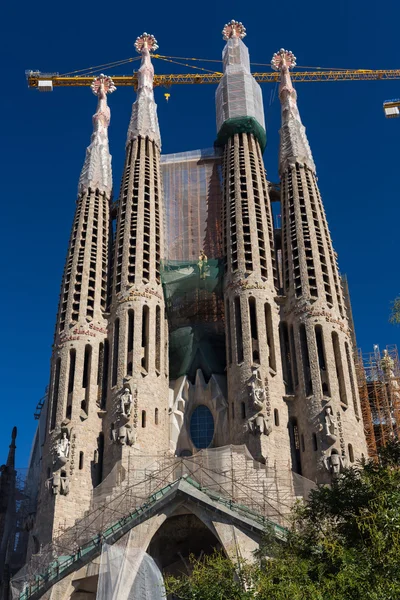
x=241, y=125
x=193, y=298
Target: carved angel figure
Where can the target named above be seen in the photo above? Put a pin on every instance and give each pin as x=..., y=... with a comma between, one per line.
x=330, y=425
x=63, y=446
x=257, y=389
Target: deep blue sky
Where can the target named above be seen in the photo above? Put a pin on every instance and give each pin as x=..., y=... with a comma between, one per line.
x=44, y=137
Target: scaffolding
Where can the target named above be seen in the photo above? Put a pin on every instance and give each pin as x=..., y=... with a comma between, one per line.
x=229, y=475
x=378, y=375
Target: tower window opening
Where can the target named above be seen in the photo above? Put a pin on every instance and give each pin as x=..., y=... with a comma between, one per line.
x=56, y=388
x=104, y=377
x=270, y=337
x=295, y=445
x=253, y=329
x=351, y=453
x=352, y=383
x=71, y=376
x=233, y=410
x=86, y=366
x=158, y=339
x=339, y=368
x=115, y=353
x=228, y=331
x=68, y=412
x=129, y=366
x=315, y=442
x=294, y=356
x=243, y=405
x=319, y=337
x=286, y=357
x=238, y=329
x=143, y=418
x=156, y=416
x=276, y=417
x=80, y=461
x=145, y=338
x=100, y=457
x=305, y=359
x=303, y=445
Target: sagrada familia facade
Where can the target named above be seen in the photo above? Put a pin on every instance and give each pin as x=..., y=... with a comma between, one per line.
x=284, y=387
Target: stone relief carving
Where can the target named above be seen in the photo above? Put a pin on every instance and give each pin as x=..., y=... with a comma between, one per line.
x=123, y=435
x=330, y=424
x=125, y=403
x=334, y=463
x=63, y=446
x=60, y=484
x=257, y=389
x=259, y=424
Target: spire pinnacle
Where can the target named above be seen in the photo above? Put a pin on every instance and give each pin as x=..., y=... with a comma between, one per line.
x=144, y=120
x=294, y=147
x=234, y=29
x=11, y=453
x=96, y=172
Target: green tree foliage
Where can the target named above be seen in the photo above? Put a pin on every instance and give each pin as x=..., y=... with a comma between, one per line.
x=344, y=544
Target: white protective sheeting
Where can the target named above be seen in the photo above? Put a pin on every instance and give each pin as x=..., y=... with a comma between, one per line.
x=128, y=573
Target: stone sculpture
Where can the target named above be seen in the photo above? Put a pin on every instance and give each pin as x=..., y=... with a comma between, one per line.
x=259, y=424
x=334, y=463
x=257, y=389
x=330, y=425
x=125, y=403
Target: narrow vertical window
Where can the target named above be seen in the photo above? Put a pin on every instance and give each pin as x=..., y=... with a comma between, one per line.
x=100, y=455
x=322, y=360
x=80, y=461
x=86, y=366
x=351, y=453
x=105, y=374
x=56, y=387
x=158, y=339
x=286, y=357
x=71, y=376
x=243, y=405
x=339, y=368
x=238, y=328
x=315, y=442
x=270, y=337
x=233, y=410
x=156, y=416
x=228, y=331
x=129, y=357
x=305, y=359
x=351, y=375
x=293, y=355
x=254, y=330
x=145, y=338
x=115, y=353
x=143, y=418
x=295, y=445
x=100, y=365
x=303, y=445
x=276, y=417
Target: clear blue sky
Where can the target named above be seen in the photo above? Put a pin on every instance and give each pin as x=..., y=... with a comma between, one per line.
x=44, y=137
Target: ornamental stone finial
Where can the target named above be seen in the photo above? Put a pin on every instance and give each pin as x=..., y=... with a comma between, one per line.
x=146, y=41
x=234, y=29
x=283, y=58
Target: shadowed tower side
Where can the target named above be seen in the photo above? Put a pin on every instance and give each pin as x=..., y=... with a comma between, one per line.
x=258, y=414
x=138, y=384
x=72, y=450
x=325, y=418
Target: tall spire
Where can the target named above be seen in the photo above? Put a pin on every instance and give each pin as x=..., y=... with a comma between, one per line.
x=11, y=453
x=294, y=146
x=238, y=97
x=144, y=120
x=96, y=171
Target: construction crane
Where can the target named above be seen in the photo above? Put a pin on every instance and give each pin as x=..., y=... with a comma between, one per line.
x=45, y=82
x=391, y=108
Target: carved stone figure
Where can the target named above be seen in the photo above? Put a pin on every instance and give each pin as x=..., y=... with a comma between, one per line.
x=334, y=463
x=55, y=486
x=202, y=264
x=122, y=435
x=330, y=425
x=125, y=403
x=259, y=424
x=257, y=389
x=64, y=487
x=63, y=446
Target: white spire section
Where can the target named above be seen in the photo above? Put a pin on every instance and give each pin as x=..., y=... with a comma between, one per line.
x=238, y=94
x=144, y=122
x=294, y=146
x=96, y=171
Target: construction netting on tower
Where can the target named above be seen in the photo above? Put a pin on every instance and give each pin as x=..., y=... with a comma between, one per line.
x=192, y=267
x=379, y=387
x=229, y=475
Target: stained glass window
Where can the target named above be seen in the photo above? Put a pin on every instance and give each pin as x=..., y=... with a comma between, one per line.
x=202, y=427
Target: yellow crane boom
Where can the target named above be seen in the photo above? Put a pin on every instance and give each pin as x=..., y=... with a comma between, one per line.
x=46, y=81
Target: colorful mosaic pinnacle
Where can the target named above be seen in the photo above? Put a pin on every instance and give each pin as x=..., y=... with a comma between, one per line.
x=146, y=40
x=103, y=82
x=283, y=58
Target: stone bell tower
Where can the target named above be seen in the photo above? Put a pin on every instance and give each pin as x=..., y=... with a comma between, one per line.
x=71, y=464
x=257, y=411
x=325, y=419
x=137, y=400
